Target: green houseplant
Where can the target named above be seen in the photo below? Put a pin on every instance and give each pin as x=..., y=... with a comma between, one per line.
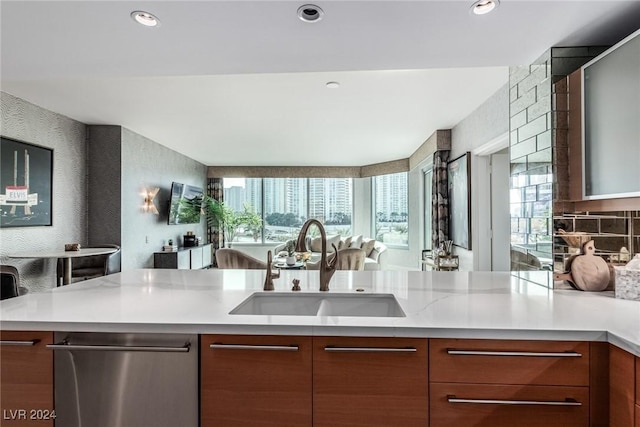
x=224, y=218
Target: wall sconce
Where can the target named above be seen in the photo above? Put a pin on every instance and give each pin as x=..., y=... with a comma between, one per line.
x=149, y=205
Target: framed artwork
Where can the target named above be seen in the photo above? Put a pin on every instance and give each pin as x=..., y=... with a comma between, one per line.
x=26, y=175
x=458, y=174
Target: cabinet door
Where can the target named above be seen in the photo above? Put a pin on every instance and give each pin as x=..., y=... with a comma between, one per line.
x=207, y=258
x=491, y=405
x=255, y=381
x=196, y=258
x=369, y=382
x=621, y=387
x=26, y=377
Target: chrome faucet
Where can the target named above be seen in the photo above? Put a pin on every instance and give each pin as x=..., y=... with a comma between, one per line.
x=268, y=280
x=327, y=268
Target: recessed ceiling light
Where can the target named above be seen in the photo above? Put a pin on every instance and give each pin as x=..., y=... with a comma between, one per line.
x=482, y=7
x=145, y=18
x=333, y=85
x=310, y=13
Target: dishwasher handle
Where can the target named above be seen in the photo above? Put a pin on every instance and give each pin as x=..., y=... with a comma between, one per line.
x=65, y=345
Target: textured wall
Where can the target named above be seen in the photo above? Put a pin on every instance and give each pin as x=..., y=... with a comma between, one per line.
x=147, y=164
x=105, y=169
x=26, y=122
x=486, y=123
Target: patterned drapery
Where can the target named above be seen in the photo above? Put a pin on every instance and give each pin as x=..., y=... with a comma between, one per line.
x=440, y=199
x=215, y=190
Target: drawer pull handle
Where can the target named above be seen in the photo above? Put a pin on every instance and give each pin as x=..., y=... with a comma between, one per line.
x=64, y=345
x=513, y=353
x=567, y=402
x=370, y=350
x=22, y=343
x=254, y=347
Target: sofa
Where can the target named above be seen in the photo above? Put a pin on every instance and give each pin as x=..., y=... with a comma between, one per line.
x=375, y=252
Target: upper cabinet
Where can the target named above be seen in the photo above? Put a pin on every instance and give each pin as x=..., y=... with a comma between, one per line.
x=604, y=129
x=611, y=122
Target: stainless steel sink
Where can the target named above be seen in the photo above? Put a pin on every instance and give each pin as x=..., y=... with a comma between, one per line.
x=313, y=304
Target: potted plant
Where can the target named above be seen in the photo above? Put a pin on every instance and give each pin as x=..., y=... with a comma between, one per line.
x=290, y=247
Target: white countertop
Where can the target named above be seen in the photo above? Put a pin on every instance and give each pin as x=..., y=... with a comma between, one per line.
x=437, y=305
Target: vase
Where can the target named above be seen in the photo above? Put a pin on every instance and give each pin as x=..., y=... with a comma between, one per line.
x=291, y=260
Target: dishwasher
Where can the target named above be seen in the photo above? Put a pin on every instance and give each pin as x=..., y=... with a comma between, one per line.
x=125, y=380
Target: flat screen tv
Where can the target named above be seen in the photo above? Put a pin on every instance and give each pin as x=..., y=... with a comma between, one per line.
x=185, y=204
x=611, y=118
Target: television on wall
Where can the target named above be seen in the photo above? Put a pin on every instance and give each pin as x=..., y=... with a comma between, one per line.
x=185, y=204
x=611, y=122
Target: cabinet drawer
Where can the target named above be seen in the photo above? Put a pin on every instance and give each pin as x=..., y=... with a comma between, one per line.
x=370, y=382
x=508, y=405
x=26, y=375
x=255, y=380
x=509, y=362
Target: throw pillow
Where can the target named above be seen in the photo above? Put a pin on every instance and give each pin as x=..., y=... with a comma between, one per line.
x=368, y=245
x=356, y=242
x=316, y=244
x=345, y=243
x=335, y=240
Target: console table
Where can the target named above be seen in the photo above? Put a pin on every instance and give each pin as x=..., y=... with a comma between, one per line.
x=192, y=258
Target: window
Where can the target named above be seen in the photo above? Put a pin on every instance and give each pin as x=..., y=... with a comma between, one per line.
x=284, y=204
x=391, y=209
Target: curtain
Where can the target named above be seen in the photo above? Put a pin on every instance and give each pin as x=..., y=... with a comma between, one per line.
x=216, y=191
x=440, y=199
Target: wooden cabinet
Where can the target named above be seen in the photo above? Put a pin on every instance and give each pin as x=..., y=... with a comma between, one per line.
x=370, y=382
x=193, y=258
x=255, y=380
x=26, y=377
x=506, y=383
x=637, y=392
x=621, y=387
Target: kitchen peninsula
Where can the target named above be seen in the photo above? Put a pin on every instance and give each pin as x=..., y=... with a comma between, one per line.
x=480, y=314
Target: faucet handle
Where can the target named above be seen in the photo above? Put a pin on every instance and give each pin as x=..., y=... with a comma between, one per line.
x=331, y=263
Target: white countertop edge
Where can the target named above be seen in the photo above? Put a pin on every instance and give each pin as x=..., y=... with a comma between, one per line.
x=352, y=331
x=624, y=344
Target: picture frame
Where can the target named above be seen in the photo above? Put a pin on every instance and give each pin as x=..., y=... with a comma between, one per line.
x=26, y=184
x=459, y=177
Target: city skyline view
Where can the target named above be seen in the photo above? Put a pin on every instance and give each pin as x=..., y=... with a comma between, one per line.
x=285, y=203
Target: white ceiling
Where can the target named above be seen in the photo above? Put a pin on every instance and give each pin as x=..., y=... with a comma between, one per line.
x=243, y=82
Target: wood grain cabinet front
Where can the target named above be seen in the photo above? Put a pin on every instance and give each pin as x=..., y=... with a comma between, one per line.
x=493, y=405
x=621, y=387
x=255, y=381
x=505, y=383
x=509, y=362
x=637, y=392
x=26, y=378
x=370, y=382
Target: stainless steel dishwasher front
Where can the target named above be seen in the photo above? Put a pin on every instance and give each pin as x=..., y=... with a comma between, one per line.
x=125, y=380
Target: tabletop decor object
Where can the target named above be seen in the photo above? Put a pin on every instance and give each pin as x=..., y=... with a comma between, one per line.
x=72, y=247
x=627, y=280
